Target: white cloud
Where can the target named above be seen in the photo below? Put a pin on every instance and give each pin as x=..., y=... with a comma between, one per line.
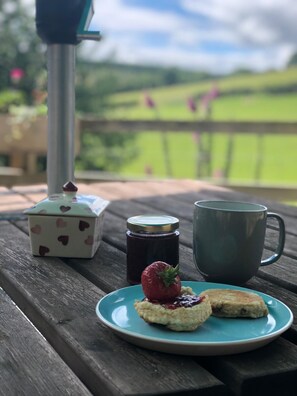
x=216, y=35
x=263, y=33
x=255, y=21
x=258, y=60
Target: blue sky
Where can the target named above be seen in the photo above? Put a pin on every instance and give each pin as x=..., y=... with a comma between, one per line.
x=218, y=36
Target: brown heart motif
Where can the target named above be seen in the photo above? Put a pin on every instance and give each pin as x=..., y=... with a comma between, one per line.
x=60, y=223
x=36, y=229
x=63, y=239
x=43, y=250
x=89, y=240
x=65, y=208
x=83, y=225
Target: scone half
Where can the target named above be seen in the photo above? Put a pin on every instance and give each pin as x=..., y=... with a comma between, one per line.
x=232, y=303
x=178, y=319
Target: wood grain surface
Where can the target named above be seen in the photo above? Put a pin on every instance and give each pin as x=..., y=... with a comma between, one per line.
x=28, y=364
x=59, y=298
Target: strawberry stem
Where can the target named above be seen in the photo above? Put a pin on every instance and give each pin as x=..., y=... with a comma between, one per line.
x=168, y=275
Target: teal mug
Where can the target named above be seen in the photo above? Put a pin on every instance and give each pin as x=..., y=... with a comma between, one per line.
x=228, y=240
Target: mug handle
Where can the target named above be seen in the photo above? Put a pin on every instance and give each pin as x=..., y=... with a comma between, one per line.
x=281, y=240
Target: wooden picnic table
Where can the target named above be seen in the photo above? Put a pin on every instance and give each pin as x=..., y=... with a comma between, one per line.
x=52, y=343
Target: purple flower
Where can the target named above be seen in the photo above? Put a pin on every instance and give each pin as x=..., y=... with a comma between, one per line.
x=149, y=102
x=211, y=95
x=191, y=105
x=214, y=92
x=205, y=100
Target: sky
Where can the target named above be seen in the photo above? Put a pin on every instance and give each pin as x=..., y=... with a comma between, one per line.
x=216, y=36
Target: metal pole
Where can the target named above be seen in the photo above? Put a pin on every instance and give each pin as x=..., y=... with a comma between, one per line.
x=61, y=115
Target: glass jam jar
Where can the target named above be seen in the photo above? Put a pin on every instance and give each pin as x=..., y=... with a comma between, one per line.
x=150, y=238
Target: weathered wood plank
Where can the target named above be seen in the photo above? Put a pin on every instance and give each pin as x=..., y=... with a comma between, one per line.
x=259, y=127
x=246, y=378
x=113, y=236
x=181, y=204
x=61, y=304
x=251, y=377
x=280, y=272
x=185, y=190
x=272, y=192
x=237, y=372
x=188, y=198
x=271, y=365
x=237, y=195
x=23, y=179
x=10, y=201
x=111, y=255
x=28, y=364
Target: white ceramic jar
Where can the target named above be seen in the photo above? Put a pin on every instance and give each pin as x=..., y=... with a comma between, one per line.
x=67, y=224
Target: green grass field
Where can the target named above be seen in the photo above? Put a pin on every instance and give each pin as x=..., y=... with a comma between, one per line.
x=253, y=107
x=278, y=153
x=278, y=157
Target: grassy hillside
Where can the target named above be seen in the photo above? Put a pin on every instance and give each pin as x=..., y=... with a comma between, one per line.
x=253, y=106
x=267, y=96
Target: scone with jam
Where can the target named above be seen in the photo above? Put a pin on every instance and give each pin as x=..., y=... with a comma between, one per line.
x=168, y=303
x=185, y=312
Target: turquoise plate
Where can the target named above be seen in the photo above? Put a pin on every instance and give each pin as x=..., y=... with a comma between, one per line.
x=217, y=336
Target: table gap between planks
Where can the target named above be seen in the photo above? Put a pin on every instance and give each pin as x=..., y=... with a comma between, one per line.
x=52, y=342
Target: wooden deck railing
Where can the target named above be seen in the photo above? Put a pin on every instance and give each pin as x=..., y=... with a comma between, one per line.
x=258, y=127
x=94, y=125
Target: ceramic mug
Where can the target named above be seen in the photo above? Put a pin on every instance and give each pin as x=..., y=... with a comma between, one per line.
x=228, y=240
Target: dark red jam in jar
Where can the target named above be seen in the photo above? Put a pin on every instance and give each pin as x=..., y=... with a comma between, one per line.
x=150, y=238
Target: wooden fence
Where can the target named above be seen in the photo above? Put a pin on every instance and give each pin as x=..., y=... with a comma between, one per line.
x=258, y=127
x=11, y=176
x=208, y=128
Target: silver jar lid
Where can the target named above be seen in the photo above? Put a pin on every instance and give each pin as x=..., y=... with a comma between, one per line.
x=152, y=223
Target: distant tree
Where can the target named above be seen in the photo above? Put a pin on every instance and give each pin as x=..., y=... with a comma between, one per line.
x=23, y=73
x=20, y=48
x=106, y=151
x=242, y=71
x=293, y=60
x=171, y=76
x=94, y=85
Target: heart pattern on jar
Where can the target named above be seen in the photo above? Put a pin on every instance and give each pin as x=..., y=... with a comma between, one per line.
x=63, y=239
x=83, y=225
x=89, y=240
x=64, y=209
x=43, y=250
x=36, y=229
x=60, y=223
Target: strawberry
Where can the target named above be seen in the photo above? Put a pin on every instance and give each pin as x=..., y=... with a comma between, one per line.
x=160, y=281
